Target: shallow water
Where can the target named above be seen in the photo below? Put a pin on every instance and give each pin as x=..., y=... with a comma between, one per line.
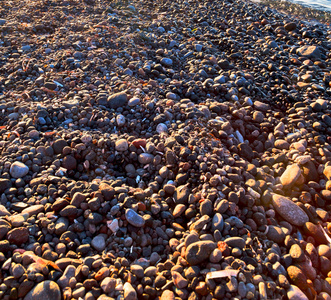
x=318, y=4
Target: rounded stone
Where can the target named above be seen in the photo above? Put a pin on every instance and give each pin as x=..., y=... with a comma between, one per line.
x=133, y=218
x=121, y=145
x=98, y=243
x=18, y=169
x=291, y=212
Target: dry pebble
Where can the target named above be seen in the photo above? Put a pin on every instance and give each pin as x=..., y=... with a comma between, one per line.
x=163, y=150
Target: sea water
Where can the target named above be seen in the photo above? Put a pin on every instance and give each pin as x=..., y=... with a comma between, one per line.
x=317, y=4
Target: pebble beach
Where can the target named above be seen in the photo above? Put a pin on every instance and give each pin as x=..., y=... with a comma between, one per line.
x=163, y=150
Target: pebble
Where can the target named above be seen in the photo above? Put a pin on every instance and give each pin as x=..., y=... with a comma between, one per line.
x=121, y=145
x=290, y=176
x=98, y=243
x=18, y=169
x=289, y=210
x=133, y=218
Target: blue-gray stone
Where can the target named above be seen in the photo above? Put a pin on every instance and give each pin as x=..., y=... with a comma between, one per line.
x=218, y=222
x=133, y=218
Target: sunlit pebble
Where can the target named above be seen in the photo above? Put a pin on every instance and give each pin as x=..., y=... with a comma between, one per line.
x=161, y=128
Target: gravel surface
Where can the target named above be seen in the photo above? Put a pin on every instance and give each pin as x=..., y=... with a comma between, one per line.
x=163, y=150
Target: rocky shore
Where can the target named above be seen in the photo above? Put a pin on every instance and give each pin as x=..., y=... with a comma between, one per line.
x=163, y=150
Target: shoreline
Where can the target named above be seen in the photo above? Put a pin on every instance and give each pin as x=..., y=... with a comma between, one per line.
x=300, y=11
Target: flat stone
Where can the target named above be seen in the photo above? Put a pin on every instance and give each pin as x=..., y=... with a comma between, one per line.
x=18, y=169
x=235, y=242
x=18, y=235
x=145, y=158
x=197, y=252
x=290, y=176
x=309, y=51
x=289, y=210
x=45, y=290
x=33, y=210
x=117, y=100
x=133, y=218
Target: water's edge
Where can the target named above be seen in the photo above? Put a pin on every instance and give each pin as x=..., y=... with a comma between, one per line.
x=302, y=11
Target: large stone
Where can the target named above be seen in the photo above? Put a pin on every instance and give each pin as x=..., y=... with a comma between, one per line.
x=58, y=146
x=316, y=232
x=309, y=51
x=275, y=234
x=18, y=169
x=290, y=176
x=181, y=194
x=117, y=100
x=33, y=210
x=45, y=290
x=197, y=252
x=288, y=210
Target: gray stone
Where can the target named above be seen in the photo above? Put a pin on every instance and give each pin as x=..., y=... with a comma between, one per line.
x=309, y=51
x=18, y=169
x=217, y=222
x=166, y=61
x=235, y=242
x=288, y=210
x=121, y=145
x=133, y=218
x=117, y=100
x=98, y=243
